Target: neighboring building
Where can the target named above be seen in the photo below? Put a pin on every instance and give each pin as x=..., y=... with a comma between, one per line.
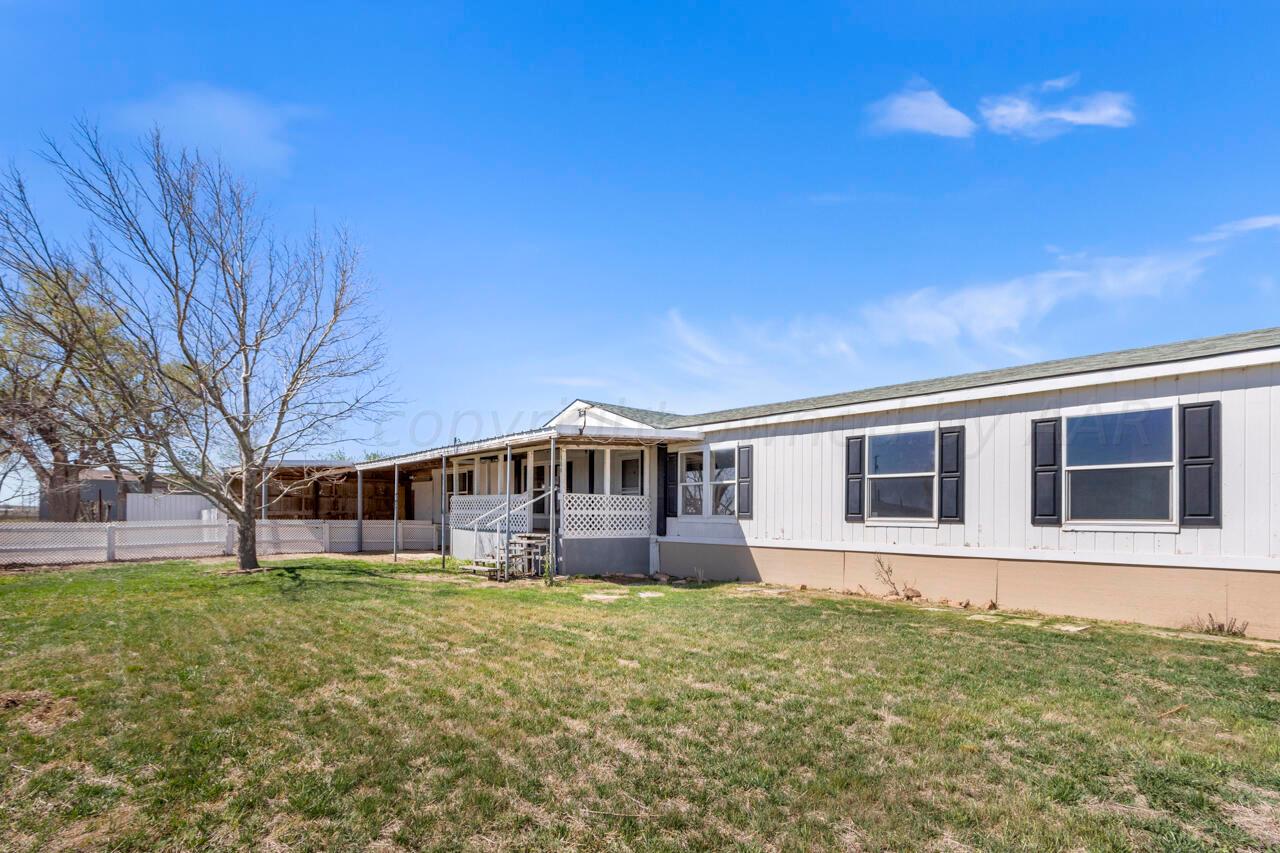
x=100, y=500
x=1141, y=485
x=98, y=496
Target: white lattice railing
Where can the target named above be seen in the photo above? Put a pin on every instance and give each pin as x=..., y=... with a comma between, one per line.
x=606, y=516
x=489, y=510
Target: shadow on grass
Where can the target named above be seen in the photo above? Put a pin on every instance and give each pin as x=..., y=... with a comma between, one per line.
x=299, y=576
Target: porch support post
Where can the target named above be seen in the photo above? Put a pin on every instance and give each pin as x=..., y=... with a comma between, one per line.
x=528, y=486
x=506, y=518
x=608, y=470
x=395, y=512
x=262, y=510
x=444, y=509
x=551, y=498
x=646, y=469
x=359, y=510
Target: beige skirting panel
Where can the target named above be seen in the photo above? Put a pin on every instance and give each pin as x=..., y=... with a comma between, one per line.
x=1166, y=596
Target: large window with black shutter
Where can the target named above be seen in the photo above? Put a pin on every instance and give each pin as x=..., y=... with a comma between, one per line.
x=901, y=474
x=708, y=482
x=911, y=477
x=1120, y=467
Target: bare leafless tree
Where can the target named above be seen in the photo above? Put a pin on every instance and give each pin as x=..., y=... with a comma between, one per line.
x=244, y=347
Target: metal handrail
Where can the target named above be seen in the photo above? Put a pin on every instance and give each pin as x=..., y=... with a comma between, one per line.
x=475, y=521
x=475, y=524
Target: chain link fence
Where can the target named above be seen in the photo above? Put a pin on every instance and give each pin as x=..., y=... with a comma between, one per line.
x=58, y=543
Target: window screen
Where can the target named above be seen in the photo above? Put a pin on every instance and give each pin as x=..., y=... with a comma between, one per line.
x=901, y=475
x=1120, y=466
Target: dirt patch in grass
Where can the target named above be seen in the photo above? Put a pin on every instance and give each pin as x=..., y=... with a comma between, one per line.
x=1259, y=817
x=21, y=698
x=1260, y=820
x=44, y=714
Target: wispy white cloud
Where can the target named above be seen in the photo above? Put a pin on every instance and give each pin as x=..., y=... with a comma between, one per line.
x=1002, y=315
x=245, y=129
x=1240, y=226
x=918, y=108
x=1021, y=113
x=1059, y=84
x=696, y=350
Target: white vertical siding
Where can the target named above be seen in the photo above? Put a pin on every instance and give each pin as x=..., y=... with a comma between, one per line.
x=799, y=488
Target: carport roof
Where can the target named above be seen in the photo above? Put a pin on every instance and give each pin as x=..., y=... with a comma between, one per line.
x=568, y=432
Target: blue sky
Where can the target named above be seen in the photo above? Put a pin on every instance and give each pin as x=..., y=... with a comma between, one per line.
x=687, y=206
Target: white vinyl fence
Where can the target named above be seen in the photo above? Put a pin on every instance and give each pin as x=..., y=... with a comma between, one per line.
x=49, y=543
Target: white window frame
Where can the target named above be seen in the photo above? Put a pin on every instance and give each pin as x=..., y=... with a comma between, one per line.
x=623, y=458
x=699, y=451
x=457, y=477
x=712, y=482
x=902, y=429
x=1173, y=525
x=705, y=451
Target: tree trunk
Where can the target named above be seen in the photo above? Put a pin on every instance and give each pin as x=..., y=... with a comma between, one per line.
x=148, y=472
x=122, y=499
x=62, y=489
x=247, y=542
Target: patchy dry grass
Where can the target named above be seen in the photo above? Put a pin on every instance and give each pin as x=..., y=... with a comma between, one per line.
x=341, y=704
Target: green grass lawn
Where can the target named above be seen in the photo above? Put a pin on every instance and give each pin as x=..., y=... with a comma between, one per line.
x=341, y=704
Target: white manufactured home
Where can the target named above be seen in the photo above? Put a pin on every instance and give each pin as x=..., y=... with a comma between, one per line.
x=1140, y=485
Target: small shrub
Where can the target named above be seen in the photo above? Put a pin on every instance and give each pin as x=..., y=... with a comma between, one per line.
x=884, y=574
x=1231, y=627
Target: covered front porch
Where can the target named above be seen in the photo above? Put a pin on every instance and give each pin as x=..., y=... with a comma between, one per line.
x=568, y=499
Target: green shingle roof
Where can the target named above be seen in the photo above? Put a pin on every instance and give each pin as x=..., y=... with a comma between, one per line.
x=1160, y=354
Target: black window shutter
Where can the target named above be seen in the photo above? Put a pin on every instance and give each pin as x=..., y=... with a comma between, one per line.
x=1201, y=500
x=853, y=491
x=668, y=485
x=1046, y=472
x=951, y=475
x=745, y=480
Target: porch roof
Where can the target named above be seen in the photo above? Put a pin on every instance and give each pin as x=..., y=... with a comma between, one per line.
x=571, y=432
